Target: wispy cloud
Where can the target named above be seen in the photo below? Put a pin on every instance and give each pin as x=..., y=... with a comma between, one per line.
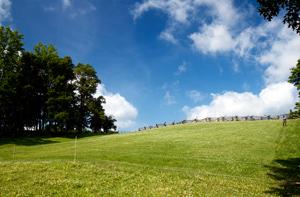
x=168, y=36
x=71, y=9
x=178, y=10
x=236, y=67
x=5, y=14
x=169, y=99
x=66, y=4
x=182, y=68
x=195, y=95
x=183, y=12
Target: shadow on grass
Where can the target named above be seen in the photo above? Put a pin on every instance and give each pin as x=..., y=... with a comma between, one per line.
x=28, y=141
x=286, y=173
x=47, y=139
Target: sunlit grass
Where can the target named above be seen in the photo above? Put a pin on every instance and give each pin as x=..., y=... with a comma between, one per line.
x=213, y=159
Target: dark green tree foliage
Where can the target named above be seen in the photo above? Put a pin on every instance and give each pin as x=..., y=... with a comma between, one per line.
x=295, y=79
x=11, y=47
x=42, y=92
x=59, y=100
x=32, y=91
x=97, y=115
x=90, y=110
x=271, y=8
x=86, y=82
x=109, y=123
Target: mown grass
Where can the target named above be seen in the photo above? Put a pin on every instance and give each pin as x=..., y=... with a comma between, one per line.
x=203, y=159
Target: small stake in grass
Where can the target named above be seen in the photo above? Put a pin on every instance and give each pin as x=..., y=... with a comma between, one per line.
x=14, y=152
x=75, y=153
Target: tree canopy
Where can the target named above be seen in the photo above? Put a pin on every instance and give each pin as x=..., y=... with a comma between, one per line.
x=291, y=8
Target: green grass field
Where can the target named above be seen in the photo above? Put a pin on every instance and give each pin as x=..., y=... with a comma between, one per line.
x=258, y=158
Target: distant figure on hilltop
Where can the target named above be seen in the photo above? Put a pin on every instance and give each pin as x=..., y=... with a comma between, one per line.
x=284, y=121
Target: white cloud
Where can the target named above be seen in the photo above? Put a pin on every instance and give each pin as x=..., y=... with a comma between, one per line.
x=178, y=10
x=213, y=38
x=182, y=12
x=169, y=99
x=5, y=6
x=168, y=36
x=66, y=4
x=244, y=42
x=222, y=11
x=195, y=95
x=271, y=44
x=117, y=106
x=274, y=99
x=282, y=56
x=240, y=42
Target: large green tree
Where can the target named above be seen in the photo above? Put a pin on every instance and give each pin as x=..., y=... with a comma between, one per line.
x=291, y=8
x=57, y=88
x=11, y=48
x=32, y=90
x=86, y=82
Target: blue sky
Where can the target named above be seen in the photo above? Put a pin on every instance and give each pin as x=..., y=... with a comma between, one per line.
x=168, y=60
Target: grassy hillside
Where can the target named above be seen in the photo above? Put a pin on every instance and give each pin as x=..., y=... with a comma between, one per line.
x=213, y=159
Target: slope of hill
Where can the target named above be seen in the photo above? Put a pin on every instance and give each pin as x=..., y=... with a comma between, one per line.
x=214, y=159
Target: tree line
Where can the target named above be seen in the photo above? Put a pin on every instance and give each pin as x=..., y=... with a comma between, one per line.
x=41, y=92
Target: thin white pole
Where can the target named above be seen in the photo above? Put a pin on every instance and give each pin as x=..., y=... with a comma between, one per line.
x=75, y=151
x=14, y=152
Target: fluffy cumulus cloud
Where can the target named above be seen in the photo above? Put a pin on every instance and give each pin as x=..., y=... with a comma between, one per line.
x=274, y=99
x=223, y=28
x=117, y=106
x=213, y=38
x=4, y=10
